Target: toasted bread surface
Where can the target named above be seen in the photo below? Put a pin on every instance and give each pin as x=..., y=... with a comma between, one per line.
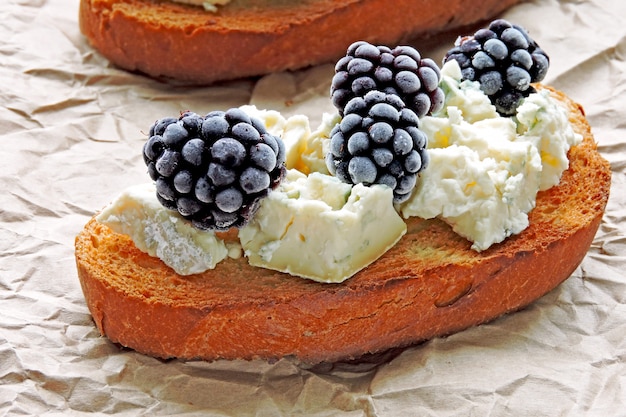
x=429, y=284
x=254, y=37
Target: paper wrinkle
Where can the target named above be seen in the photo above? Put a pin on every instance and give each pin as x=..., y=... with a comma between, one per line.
x=72, y=127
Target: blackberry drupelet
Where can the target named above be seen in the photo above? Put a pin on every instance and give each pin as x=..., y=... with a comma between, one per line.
x=378, y=141
x=505, y=60
x=213, y=170
x=401, y=71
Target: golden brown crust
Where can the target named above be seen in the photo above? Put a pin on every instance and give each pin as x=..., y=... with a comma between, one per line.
x=430, y=284
x=255, y=37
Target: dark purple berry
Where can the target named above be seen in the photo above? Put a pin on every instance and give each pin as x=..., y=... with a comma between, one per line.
x=246, y=133
x=193, y=152
x=236, y=115
x=401, y=71
x=165, y=190
x=263, y=156
x=381, y=132
x=228, y=151
x=153, y=148
x=229, y=200
x=183, y=181
x=159, y=126
x=504, y=59
x=358, y=143
x=214, y=169
x=380, y=143
x=491, y=82
x=188, y=207
x=221, y=175
x=214, y=127
x=254, y=180
x=192, y=122
x=167, y=163
x=362, y=170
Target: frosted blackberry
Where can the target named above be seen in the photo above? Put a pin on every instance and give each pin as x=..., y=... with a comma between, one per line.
x=401, y=71
x=215, y=169
x=504, y=59
x=378, y=141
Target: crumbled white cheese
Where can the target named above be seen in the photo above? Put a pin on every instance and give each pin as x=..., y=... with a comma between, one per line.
x=305, y=149
x=317, y=227
x=483, y=190
x=163, y=233
x=544, y=123
x=485, y=170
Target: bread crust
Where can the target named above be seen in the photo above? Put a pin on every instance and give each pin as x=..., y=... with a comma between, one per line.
x=430, y=284
x=255, y=37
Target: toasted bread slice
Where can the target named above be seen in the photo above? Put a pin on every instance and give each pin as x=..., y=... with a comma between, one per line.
x=430, y=284
x=254, y=37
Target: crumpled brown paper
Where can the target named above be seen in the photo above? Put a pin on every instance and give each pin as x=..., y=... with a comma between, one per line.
x=72, y=127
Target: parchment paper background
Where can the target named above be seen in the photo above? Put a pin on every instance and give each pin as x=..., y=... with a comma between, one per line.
x=70, y=139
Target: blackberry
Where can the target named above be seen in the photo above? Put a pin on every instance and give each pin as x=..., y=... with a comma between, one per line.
x=215, y=169
x=504, y=59
x=401, y=71
x=378, y=141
